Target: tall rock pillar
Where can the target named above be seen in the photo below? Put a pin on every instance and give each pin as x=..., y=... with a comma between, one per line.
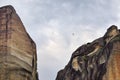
x=18, y=58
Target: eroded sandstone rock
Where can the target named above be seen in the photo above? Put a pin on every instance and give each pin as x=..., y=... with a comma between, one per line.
x=98, y=60
x=18, y=59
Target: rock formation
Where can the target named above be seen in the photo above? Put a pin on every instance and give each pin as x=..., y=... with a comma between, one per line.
x=98, y=60
x=18, y=59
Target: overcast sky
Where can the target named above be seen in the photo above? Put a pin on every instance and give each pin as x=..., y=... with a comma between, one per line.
x=60, y=26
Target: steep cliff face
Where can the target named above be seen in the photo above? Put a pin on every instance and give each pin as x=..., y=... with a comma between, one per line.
x=98, y=60
x=18, y=59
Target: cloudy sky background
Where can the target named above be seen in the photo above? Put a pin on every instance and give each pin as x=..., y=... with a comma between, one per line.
x=60, y=26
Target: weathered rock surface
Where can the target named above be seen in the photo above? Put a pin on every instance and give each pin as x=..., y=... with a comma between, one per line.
x=98, y=60
x=18, y=59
